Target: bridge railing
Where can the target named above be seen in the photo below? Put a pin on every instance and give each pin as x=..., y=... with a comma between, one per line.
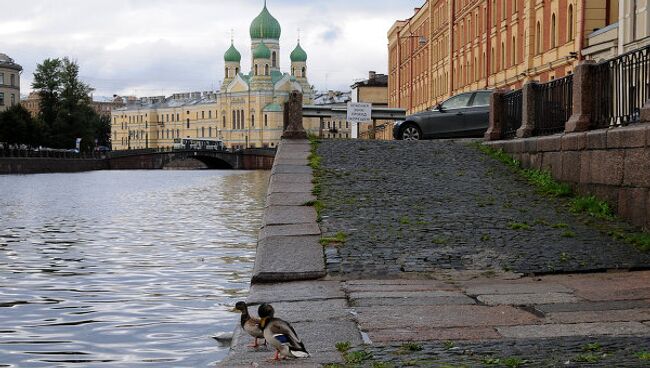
x=54, y=154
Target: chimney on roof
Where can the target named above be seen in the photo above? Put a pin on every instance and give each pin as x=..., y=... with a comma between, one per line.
x=372, y=75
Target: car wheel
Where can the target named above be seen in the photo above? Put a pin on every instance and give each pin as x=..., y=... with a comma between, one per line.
x=411, y=132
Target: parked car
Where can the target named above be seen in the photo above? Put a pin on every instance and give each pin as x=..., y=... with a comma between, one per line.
x=465, y=115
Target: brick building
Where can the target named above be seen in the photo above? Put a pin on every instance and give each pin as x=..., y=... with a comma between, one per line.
x=453, y=46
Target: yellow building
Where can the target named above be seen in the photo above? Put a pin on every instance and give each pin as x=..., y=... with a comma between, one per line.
x=9, y=82
x=247, y=112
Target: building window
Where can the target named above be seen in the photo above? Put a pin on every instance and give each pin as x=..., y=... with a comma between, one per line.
x=178, y=133
x=266, y=120
x=275, y=59
x=503, y=56
x=178, y=117
x=13, y=80
x=236, y=72
x=266, y=69
x=538, y=39
x=224, y=121
x=553, y=32
x=210, y=114
x=210, y=132
x=256, y=70
x=503, y=8
x=202, y=132
x=13, y=99
x=202, y=115
x=293, y=71
x=494, y=13
x=570, y=25
x=252, y=120
x=234, y=120
x=227, y=73
x=2, y=99
x=514, y=6
x=304, y=72
x=188, y=123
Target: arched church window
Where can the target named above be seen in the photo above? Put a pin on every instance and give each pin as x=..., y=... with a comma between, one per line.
x=275, y=59
x=304, y=72
x=266, y=69
x=227, y=73
x=236, y=71
x=293, y=71
x=256, y=69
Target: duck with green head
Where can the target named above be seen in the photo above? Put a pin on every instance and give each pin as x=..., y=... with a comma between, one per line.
x=249, y=324
x=280, y=335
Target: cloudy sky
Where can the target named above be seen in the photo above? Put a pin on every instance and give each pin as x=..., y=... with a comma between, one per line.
x=146, y=47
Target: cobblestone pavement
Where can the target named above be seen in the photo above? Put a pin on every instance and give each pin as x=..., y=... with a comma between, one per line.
x=411, y=208
x=603, y=352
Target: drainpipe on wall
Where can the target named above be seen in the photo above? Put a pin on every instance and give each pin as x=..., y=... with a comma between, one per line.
x=488, y=53
x=582, y=29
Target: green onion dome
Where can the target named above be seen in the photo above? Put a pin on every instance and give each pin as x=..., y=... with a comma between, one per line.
x=298, y=55
x=265, y=26
x=232, y=55
x=261, y=52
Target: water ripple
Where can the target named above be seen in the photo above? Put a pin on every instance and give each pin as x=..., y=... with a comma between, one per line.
x=115, y=269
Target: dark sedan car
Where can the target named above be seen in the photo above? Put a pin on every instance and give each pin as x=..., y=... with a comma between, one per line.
x=462, y=116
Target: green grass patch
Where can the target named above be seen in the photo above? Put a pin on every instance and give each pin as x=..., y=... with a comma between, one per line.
x=448, y=345
x=339, y=238
x=405, y=221
x=356, y=357
x=589, y=205
x=410, y=347
x=588, y=358
x=485, y=238
x=592, y=347
x=568, y=234
x=560, y=226
x=592, y=206
x=518, y=226
x=382, y=365
x=439, y=240
x=343, y=346
x=643, y=355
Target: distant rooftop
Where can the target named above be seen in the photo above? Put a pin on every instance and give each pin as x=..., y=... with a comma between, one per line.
x=332, y=97
x=374, y=80
x=175, y=101
x=7, y=62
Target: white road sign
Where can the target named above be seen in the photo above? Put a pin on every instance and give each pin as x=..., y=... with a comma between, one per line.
x=359, y=112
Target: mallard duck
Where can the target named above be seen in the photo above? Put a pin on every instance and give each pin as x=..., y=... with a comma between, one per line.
x=249, y=324
x=280, y=335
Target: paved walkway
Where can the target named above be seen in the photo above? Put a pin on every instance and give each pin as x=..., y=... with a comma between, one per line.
x=433, y=274
x=442, y=205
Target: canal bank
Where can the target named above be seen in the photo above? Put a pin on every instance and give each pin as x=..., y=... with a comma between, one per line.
x=437, y=255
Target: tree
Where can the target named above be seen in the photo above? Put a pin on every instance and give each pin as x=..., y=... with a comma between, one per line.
x=18, y=127
x=65, y=104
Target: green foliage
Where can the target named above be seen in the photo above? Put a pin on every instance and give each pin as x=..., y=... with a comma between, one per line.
x=568, y=234
x=339, y=238
x=518, y=226
x=343, y=346
x=545, y=183
x=405, y=220
x=592, y=206
x=485, y=238
x=588, y=358
x=640, y=240
x=410, y=347
x=643, y=355
x=449, y=345
x=592, y=347
x=560, y=226
x=382, y=365
x=66, y=113
x=18, y=127
x=356, y=357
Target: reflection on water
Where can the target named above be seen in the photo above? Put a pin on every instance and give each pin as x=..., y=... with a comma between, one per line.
x=124, y=269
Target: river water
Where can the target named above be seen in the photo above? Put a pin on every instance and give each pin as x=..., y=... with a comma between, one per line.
x=124, y=268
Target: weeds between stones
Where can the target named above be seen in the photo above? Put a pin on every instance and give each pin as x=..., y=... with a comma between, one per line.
x=340, y=238
x=589, y=205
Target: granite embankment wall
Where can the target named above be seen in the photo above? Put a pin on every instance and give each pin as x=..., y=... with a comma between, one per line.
x=34, y=165
x=612, y=164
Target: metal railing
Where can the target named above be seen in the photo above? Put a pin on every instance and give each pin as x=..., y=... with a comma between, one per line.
x=623, y=87
x=68, y=155
x=513, y=113
x=553, y=105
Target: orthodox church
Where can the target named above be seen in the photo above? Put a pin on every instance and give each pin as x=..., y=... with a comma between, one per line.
x=254, y=100
x=247, y=111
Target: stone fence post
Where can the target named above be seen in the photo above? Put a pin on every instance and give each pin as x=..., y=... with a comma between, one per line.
x=497, y=114
x=645, y=112
x=528, y=110
x=584, y=84
x=293, y=128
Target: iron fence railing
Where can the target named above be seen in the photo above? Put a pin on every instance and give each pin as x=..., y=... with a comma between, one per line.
x=513, y=114
x=622, y=88
x=57, y=154
x=553, y=105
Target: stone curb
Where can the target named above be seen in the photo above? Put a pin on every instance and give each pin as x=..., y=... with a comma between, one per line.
x=288, y=247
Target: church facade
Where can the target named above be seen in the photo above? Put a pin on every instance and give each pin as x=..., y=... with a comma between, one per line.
x=247, y=111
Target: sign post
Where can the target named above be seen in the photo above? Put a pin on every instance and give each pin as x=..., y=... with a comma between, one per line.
x=358, y=112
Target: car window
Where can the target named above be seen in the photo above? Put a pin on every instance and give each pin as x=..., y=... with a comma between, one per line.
x=457, y=102
x=482, y=99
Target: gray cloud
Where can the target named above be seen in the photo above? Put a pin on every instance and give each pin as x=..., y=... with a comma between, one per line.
x=153, y=47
